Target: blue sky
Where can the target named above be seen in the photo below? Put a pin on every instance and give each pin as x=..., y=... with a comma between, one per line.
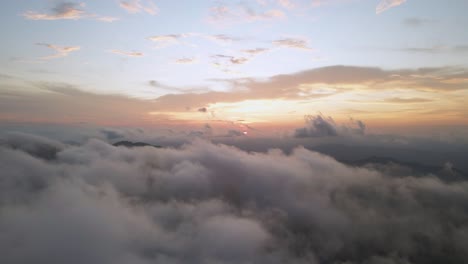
x=337, y=33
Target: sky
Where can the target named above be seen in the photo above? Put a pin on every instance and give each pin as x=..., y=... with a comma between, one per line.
x=227, y=132
x=396, y=64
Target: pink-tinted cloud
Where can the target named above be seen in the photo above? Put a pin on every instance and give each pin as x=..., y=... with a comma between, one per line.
x=67, y=11
x=292, y=43
x=127, y=53
x=387, y=4
x=60, y=51
x=137, y=6
x=64, y=10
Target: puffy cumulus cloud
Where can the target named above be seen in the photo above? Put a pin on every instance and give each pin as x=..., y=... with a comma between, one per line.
x=387, y=4
x=207, y=203
x=321, y=126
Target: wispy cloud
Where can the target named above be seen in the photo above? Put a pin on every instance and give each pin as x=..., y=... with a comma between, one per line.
x=127, y=53
x=222, y=38
x=436, y=49
x=416, y=22
x=137, y=6
x=186, y=61
x=229, y=59
x=67, y=11
x=242, y=13
x=166, y=40
x=286, y=4
x=60, y=51
x=255, y=51
x=387, y=4
x=107, y=19
x=399, y=100
x=292, y=43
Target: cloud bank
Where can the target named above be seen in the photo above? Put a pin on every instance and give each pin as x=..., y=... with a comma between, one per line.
x=206, y=203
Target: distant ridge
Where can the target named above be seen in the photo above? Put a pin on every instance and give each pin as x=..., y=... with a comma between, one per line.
x=130, y=144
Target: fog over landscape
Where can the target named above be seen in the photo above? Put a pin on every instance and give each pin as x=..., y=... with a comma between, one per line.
x=233, y=132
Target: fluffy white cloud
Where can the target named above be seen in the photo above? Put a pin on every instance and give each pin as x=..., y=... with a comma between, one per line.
x=206, y=203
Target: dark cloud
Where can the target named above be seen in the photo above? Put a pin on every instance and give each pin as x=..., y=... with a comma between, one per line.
x=112, y=134
x=321, y=126
x=207, y=203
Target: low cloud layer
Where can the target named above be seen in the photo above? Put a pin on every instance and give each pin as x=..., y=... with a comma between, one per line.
x=206, y=203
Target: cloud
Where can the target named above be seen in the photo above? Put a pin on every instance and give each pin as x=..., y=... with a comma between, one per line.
x=321, y=126
x=167, y=40
x=108, y=19
x=226, y=60
x=292, y=43
x=417, y=22
x=186, y=61
x=63, y=10
x=61, y=51
x=286, y=4
x=436, y=49
x=301, y=85
x=67, y=11
x=137, y=6
x=255, y=51
x=221, y=38
x=384, y=5
x=65, y=105
x=208, y=203
x=407, y=100
x=127, y=53
x=242, y=13
x=62, y=100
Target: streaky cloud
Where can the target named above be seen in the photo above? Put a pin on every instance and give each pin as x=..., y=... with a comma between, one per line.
x=384, y=5
x=127, y=53
x=61, y=51
x=137, y=6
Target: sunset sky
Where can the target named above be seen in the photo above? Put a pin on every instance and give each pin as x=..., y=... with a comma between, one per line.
x=263, y=63
x=234, y=131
